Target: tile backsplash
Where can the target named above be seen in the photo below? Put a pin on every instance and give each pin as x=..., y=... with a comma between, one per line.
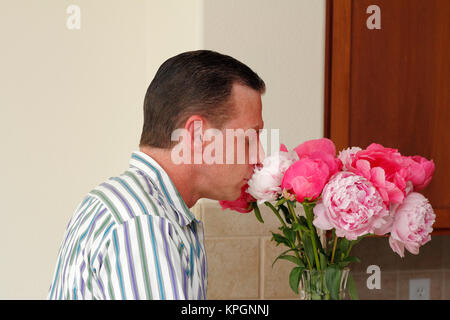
x=240, y=256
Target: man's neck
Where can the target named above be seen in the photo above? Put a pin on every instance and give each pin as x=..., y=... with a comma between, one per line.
x=181, y=174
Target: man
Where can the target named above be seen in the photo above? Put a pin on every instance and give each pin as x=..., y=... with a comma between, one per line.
x=133, y=236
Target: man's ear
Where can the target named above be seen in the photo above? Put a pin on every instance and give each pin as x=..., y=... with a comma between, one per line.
x=194, y=125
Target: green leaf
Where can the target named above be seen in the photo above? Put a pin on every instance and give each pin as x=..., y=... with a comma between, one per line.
x=297, y=227
x=257, y=212
x=303, y=221
x=354, y=242
x=343, y=245
x=333, y=279
x=309, y=249
x=359, y=239
x=348, y=260
x=289, y=234
x=286, y=214
x=294, y=278
x=283, y=253
x=290, y=258
x=351, y=288
x=337, y=255
x=293, y=203
x=323, y=260
x=351, y=259
x=280, y=202
x=278, y=238
x=319, y=244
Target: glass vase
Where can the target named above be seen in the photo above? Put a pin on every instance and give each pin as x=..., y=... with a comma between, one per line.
x=313, y=285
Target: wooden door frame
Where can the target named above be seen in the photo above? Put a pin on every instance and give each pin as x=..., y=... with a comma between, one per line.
x=337, y=72
x=338, y=46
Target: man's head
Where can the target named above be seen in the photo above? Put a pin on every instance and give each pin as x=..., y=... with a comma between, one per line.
x=215, y=90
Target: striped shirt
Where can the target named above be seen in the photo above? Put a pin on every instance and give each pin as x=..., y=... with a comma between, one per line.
x=132, y=237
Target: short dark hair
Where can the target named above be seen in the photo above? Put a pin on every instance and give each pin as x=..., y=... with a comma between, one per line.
x=193, y=82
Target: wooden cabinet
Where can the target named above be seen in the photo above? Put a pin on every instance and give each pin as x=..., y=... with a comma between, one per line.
x=391, y=85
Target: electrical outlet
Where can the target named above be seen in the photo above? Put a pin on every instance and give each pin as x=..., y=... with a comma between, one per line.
x=419, y=289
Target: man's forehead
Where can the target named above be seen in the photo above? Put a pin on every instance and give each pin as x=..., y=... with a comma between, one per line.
x=247, y=108
x=248, y=121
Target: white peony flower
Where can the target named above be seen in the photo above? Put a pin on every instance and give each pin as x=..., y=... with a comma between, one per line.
x=264, y=185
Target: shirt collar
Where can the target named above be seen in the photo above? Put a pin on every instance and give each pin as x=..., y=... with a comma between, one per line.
x=157, y=174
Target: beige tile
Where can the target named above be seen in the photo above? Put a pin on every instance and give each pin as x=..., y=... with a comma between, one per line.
x=276, y=279
x=218, y=222
x=388, y=287
x=197, y=210
x=436, y=281
x=375, y=251
x=233, y=268
x=446, y=291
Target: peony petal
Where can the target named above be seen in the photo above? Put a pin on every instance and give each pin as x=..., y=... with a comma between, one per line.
x=412, y=247
x=310, y=146
x=386, y=227
x=364, y=168
x=321, y=221
x=377, y=176
x=397, y=246
x=241, y=204
x=394, y=193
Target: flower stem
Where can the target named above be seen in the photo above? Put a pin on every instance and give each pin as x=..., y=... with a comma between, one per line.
x=299, y=232
x=334, y=248
x=282, y=222
x=276, y=213
x=312, y=233
x=354, y=242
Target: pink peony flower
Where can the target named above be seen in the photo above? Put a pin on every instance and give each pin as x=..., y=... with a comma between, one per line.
x=412, y=224
x=309, y=147
x=317, y=162
x=306, y=178
x=264, y=185
x=346, y=156
x=386, y=168
x=420, y=171
x=320, y=149
x=351, y=204
x=243, y=204
x=391, y=173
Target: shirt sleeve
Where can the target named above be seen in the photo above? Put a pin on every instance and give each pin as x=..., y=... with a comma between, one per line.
x=141, y=260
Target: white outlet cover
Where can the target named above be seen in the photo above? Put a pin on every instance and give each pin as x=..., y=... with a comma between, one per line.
x=419, y=289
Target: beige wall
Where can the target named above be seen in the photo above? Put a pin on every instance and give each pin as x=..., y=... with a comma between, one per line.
x=285, y=45
x=71, y=111
x=171, y=27
x=71, y=114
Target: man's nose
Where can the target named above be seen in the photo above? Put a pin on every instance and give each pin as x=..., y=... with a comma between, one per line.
x=256, y=153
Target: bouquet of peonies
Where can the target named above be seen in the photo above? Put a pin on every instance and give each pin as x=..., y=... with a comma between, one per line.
x=356, y=194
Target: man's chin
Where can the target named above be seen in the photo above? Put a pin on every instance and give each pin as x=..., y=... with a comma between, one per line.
x=237, y=195
x=228, y=197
